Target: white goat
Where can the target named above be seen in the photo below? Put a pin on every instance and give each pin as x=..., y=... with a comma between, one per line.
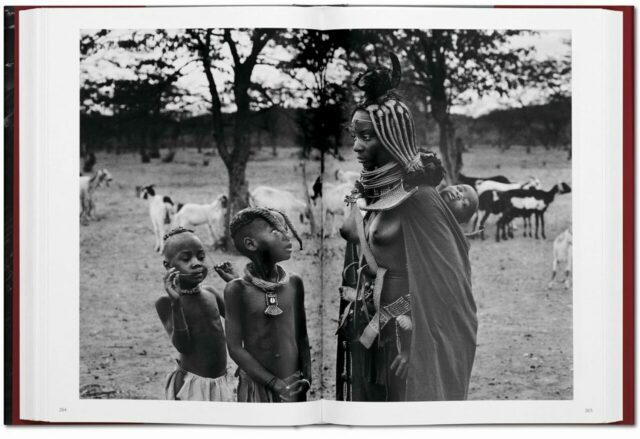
x=284, y=201
x=88, y=186
x=161, y=211
x=213, y=215
x=333, y=203
x=490, y=185
x=563, y=253
x=347, y=176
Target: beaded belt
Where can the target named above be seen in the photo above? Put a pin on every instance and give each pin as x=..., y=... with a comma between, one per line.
x=385, y=314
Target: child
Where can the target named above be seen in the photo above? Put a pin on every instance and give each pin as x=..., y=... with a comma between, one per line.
x=462, y=200
x=191, y=315
x=266, y=323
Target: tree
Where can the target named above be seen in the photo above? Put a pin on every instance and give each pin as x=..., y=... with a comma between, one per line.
x=314, y=50
x=452, y=67
x=140, y=92
x=235, y=157
x=452, y=63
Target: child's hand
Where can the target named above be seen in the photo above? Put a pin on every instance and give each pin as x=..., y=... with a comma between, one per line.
x=404, y=321
x=226, y=271
x=282, y=389
x=169, y=284
x=298, y=387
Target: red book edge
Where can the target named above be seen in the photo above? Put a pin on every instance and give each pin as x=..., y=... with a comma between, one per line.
x=628, y=214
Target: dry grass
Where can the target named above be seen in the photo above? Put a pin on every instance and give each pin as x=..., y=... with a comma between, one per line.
x=524, y=342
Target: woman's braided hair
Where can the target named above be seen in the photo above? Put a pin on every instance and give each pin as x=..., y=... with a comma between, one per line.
x=250, y=214
x=394, y=126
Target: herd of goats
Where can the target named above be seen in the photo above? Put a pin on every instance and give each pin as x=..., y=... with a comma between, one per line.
x=497, y=196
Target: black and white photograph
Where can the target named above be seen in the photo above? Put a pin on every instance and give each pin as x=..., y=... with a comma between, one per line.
x=287, y=215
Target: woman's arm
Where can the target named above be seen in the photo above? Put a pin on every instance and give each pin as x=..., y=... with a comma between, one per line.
x=302, y=338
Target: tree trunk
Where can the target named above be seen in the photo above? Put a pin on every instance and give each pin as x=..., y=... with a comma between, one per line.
x=235, y=158
x=237, y=162
x=238, y=195
x=451, y=157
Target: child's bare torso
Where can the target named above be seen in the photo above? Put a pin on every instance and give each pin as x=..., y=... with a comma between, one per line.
x=271, y=340
x=206, y=353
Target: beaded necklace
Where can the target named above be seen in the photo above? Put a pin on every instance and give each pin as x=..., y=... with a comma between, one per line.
x=186, y=292
x=381, y=180
x=269, y=288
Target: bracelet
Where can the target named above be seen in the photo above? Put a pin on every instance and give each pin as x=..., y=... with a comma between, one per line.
x=271, y=382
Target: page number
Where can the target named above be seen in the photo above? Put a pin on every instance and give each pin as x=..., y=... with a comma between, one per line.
x=588, y=410
x=62, y=409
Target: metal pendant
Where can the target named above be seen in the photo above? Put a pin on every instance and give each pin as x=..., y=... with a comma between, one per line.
x=272, y=304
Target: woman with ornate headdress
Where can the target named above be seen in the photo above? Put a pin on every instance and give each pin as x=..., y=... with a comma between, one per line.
x=412, y=318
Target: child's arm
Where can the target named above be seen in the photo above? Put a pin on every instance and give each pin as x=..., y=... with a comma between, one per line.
x=233, y=328
x=172, y=316
x=219, y=300
x=226, y=271
x=174, y=323
x=301, y=329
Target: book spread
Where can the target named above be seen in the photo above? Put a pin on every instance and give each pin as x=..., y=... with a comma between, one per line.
x=352, y=215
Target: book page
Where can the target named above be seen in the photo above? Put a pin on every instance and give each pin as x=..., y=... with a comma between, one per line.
x=526, y=339
x=191, y=178
x=531, y=297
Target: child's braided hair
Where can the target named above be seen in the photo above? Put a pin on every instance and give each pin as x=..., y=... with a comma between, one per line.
x=175, y=231
x=248, y=215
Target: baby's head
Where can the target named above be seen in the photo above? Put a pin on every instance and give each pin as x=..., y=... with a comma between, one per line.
x=260, y=231
x=462, y=200
x=184, y=251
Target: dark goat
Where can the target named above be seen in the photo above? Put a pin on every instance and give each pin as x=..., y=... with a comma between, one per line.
x=524, y=203
x=491, y=203
x=488, y=204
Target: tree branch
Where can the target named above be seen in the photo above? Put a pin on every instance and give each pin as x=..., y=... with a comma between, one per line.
x=232, y=47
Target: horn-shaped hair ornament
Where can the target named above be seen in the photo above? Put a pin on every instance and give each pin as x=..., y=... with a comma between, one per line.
x=392, y=119
x=395, y=129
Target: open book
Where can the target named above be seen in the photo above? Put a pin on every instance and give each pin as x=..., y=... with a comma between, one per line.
x=437, y=204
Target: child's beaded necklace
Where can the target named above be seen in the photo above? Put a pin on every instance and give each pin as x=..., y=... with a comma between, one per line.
x=269, y=288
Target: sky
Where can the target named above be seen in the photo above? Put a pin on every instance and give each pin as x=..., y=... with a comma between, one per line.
x=114, y=63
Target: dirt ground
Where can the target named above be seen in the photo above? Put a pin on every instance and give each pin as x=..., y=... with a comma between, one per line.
x=525, y=330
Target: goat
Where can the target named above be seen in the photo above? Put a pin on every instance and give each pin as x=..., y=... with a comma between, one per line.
x=161, y=211
x=563, y=253
x=471, y=181
x=524, y=203
x=333, y=203
x=284, y=201
x=483, y=186
x=213, y=215
x=347, y=176
x=88, y=186
x=488, y=204
x=488, y=201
